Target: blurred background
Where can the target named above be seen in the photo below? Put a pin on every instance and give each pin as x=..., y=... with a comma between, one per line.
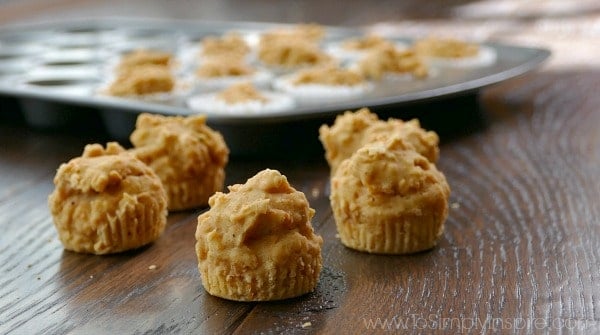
x=545, y=23
x=346, y=12
x=570, y=29
x=358, y=12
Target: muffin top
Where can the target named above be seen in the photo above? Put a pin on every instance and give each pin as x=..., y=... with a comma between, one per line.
x=224, y=67
x=345, y=136
x=240, y=93
x=105, y=170
x=393, y=175
x=386, y=59
x=230, y=45
x=423, y=141
x=187, y=142
x=144, y=57
x=328, y=75
x=365, y=43
x=259, y=223
x=352, y=130
x=445, y=48
x=291, y=52
x=142, y=79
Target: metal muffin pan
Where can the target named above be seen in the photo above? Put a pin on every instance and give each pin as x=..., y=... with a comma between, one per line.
x=54, y=68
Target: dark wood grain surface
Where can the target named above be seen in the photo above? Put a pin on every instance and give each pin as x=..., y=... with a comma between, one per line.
x=521, y=248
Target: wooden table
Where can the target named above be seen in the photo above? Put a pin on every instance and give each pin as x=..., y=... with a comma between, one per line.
x=520, y=253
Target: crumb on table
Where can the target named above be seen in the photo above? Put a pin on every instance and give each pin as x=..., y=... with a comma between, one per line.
x=306, y=324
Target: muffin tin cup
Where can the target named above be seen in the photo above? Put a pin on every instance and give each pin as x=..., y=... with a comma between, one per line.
x=54, y=68
x=43, y=114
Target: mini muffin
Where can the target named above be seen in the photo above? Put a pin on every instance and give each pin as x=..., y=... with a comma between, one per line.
x=220, y=72
x=323, y=82
x=355, y=48
x=187, y=155
x=142, y=80
x=387, y=198
x=256, y=243
x=240, y=93
x=450, y=52
x=289, y=54
x=224, y=66
x=445, y=47
x=229, y=45
x=365, y=42
x=306, y=31
x=242, y=98
x=352, y=130
x=107, y=201
x=328, y=75
x=388, y=62
x=144, y=57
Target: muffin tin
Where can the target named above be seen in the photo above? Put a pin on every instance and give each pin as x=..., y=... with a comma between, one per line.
x=55, y=69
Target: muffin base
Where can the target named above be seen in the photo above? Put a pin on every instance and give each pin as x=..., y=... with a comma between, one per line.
x=288, y=280
x=194, y=192
x=136, y=221
x=399, y=234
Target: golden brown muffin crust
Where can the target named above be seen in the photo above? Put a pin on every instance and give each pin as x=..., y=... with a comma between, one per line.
x=142, y=79
x=445, y=47
x=257, y=243
x=291, y=53
x=224, y=67
x=387, y=198
x=187, y=155
x=328, y=75
x=230, y=45
x=387, y=59
x=351, y=130
x=366, y=42
x=144, y=57
x=241, y=92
